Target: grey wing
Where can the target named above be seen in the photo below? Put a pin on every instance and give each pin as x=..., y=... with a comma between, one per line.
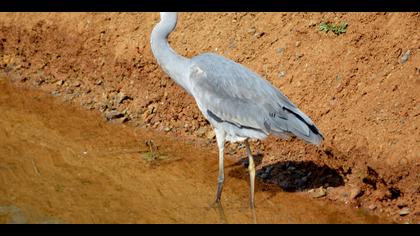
x=234, y=94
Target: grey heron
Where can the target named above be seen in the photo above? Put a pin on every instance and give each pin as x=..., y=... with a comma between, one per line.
x=238, y=103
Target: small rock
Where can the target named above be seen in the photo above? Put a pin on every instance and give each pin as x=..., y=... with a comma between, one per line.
x=60, y=82
x=282, y=74
x=371, y=207
x=280, y=50
x=319, y=192
x=39, y=81
x=147, y=117
x=355, y=192
x=404, y=211
x=405, y=56
x=110, y=115
x=259, y=35
x=121, y=97
x=55, y=93
x=151, y=109
x=299, y=56
x=167, y=129
x=98, y=82
x=252, y=30
x=297, y=44
x=210, y=134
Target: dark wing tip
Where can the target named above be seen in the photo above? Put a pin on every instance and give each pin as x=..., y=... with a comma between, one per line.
x=312, y=127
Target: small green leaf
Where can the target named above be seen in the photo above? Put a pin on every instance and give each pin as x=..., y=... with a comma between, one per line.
x=342, y=28
x=324, y=27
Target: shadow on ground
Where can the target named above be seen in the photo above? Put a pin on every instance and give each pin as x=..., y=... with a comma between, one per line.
x=290, y=176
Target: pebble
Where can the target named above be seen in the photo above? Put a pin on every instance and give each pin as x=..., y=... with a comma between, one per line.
x=355, y=192
x=405, y=56
x=252, y=30
x=282, y=74
x=60, y=82
x=55, y=93
x=210, y=134
x=371, y=207
x=299, y=55
x=110, y=115
x=404, y=211
x=259, y=35
x=280, y=50
x=121, y=97
x=337, y=77
x=151, y=109
x=319, y=192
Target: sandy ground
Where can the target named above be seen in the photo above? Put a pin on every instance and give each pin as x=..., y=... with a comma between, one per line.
x=360, y=88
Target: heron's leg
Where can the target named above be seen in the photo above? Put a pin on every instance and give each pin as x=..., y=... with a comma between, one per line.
x=220, y=138
x=251, y=168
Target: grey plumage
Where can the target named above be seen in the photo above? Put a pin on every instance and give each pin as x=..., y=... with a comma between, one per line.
x=237, y=102
x=241, y=98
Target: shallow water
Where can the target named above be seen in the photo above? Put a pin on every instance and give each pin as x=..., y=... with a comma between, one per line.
x=61, y=164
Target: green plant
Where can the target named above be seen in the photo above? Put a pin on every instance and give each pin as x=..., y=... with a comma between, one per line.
x=154, y=156
x=336, y=29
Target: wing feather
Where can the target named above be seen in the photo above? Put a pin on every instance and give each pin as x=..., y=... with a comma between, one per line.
x=237, y=95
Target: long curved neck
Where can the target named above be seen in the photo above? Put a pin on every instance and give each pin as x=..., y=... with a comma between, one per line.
x=174, y=65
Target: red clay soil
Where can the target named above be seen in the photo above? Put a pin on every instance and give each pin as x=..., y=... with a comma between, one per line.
x=361, y=88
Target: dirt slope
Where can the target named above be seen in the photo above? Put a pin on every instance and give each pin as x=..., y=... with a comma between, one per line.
x=361, y=88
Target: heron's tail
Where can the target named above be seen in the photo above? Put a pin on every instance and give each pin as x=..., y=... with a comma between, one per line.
x=298, y=124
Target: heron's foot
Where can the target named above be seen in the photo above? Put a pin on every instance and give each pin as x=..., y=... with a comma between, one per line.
x=217, y=200
x=216, y=204
x=252, y=204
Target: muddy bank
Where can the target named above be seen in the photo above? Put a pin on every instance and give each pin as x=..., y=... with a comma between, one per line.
x=360, y=88
x=60, y=164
